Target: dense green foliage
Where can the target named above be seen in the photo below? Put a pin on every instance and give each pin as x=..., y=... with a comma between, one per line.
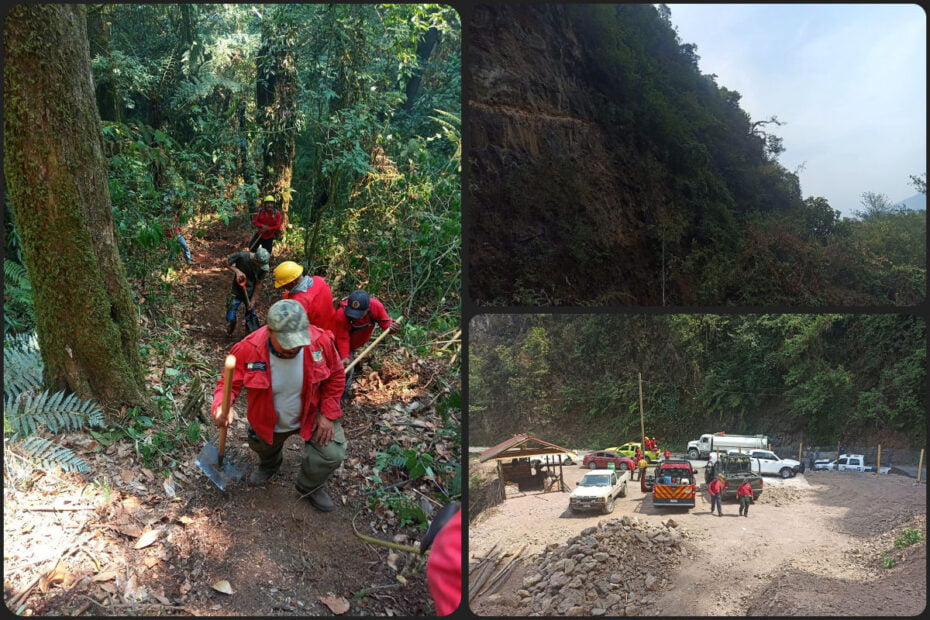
x=574, y=379
x=374, y=199
x=691, y=198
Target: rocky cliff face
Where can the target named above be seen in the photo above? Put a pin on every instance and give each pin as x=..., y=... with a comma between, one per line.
x=558, y=210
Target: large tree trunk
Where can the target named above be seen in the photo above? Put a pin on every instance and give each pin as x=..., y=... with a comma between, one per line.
x=56, y=176
x=98, y=33
x=276, y=102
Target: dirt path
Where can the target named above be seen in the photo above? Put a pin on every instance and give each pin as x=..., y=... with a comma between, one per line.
x=809, y=546
x=278, y=554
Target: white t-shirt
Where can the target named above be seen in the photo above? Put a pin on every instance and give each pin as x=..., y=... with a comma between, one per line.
x=286, y=384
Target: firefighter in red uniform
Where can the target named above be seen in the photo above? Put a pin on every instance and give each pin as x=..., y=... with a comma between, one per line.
x=353, y=323
x=745, y=496
x=267, y=222
x=312, y=292
x=293, y=380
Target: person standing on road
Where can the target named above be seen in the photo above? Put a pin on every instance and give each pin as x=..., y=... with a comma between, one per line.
x=667, y=454
x=745, y=496
x=643, y=463
x=293, y=381
x=810, y=458
x=715, y=488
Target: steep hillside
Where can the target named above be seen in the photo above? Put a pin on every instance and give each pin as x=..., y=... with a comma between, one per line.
x=605, y=169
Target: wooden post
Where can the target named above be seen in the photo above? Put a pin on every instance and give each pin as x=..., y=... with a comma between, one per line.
x=920, y=464
x=878, y=465
x=801, y=450
x=642, y=424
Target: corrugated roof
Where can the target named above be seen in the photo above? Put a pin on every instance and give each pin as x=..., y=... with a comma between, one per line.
x=520, y=446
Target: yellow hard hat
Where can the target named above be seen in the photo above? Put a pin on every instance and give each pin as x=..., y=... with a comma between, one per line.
x=268, y=198
x=286, y=272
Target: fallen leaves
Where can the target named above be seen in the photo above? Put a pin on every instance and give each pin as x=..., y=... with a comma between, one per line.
x=222, y=586
x=336, y=604
x=56, y=575
x=147, y=539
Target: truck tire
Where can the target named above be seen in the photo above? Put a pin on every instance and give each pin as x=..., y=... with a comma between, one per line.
x=592, y=465
x=786, y=472
x=693, y=454
x=623, y=490
x=567, y=462
x=609, y=506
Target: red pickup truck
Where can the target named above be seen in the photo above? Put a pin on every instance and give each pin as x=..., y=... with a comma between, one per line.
x=672, y=484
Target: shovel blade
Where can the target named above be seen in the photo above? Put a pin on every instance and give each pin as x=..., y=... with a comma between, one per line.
x=221, y=474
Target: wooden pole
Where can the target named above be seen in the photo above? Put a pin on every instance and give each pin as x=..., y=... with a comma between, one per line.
x=642, y=424
x=878, y=465
x=920, y=464
x=801, y=450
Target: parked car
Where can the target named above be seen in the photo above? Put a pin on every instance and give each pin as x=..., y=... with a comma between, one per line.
x=767, y=462
x=848, y=462
x=629, y=449
x=599, y=460
x=598, y=489
x=554, y=459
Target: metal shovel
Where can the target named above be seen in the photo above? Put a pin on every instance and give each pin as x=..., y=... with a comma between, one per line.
x=222, y=471
x=251, y=320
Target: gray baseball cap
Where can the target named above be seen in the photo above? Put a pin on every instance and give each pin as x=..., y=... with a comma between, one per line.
x=262, y=256
x=288, y=320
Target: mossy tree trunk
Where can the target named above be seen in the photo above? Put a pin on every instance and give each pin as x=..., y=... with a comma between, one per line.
x=56, y=176
x=276, y=102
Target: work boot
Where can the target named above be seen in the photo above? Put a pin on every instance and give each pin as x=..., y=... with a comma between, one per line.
x=230, y=327
x=260, y=476
x=320, y=500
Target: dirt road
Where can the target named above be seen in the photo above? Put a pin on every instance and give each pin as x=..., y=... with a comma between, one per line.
x=812, y=545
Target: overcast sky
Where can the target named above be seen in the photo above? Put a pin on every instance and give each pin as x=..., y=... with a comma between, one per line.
x=849, y=80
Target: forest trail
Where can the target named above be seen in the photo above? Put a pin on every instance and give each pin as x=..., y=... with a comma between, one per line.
x=145, y=544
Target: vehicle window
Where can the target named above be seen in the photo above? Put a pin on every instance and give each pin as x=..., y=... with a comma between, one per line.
x=842, y=461
x=613, y=480
x=594, y=481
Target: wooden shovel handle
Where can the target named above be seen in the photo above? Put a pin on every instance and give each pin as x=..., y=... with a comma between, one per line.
x=384, y=334
x=228, y=367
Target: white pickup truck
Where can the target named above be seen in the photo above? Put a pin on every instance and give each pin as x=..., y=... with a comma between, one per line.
x=598, y=489
x=848, y=462
x=767, y=462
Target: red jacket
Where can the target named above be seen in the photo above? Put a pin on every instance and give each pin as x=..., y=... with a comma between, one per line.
x=353, y=335
x=744, y=489
x=444, y=567
x=324, y=380
x=715, y=486
x=272, y=219
x=315, y=296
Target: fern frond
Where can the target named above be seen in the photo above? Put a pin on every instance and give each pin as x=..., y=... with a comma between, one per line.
x=22, y=364
x=15, y=276
x=58, y=412
x=50, y=454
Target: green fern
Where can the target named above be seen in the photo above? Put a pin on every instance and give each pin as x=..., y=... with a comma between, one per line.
x=27, y=407
x=17, y=302
x=49, y=454
x=22, y=364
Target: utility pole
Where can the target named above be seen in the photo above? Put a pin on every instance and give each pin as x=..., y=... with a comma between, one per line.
x=642, y=425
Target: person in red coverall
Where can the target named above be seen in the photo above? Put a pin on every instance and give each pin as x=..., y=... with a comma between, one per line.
x=715, y=488
x=745, y=496
x=312, y=292
x=293, y=380
x=267, y=223
x=353, y=323
x=444, y=565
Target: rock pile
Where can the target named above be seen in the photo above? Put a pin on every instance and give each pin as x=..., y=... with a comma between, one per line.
x=615, y=568
x=780, y=496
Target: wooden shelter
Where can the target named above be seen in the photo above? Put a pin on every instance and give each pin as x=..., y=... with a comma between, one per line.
x=515, y=458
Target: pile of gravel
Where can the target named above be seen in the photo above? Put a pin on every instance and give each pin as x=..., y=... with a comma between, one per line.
x=616, y=568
